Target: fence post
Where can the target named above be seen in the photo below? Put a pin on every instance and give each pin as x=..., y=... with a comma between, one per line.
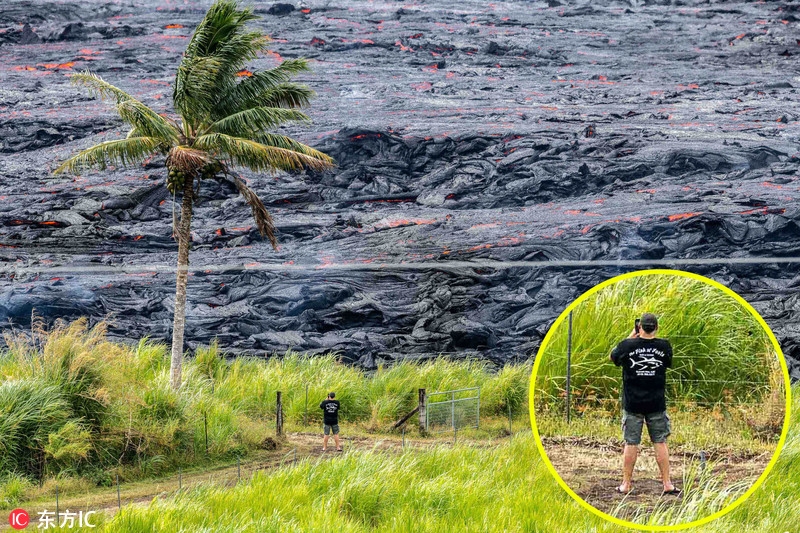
x=510, y=427
x=404, y=437
x=305, y=413
x=180, y=478
x=205, y=429
x=238, y=469
x=478, y=410
x=119, y=500
x=279, y=416
x=423, y=414
x=57, y=503
x=453, y=409
x=569, y=365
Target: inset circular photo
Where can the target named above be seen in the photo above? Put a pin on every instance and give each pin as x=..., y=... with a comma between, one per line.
x=660, y=399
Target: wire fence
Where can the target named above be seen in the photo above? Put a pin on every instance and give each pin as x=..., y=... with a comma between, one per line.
x=453, y=409
x=582, y=386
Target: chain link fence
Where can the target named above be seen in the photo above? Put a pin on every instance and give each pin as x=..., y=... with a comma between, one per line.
x=453, y=410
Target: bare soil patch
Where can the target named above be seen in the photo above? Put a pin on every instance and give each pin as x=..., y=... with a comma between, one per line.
x=592, y=469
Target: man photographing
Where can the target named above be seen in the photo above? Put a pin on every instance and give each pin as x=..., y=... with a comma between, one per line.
x=330, y=420
x=644, y=360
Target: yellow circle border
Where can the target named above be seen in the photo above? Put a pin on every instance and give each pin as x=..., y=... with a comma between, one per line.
x=775, y=455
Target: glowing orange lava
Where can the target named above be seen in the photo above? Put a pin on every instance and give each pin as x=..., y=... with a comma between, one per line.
x=681, y=216
x=58, y=66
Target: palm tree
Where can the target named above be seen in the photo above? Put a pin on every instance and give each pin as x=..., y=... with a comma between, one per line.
x=223, y=116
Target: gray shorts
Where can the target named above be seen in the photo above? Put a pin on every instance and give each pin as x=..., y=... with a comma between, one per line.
x=327, y=429
x=658, y=426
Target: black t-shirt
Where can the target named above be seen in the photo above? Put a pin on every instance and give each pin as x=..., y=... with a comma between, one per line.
x=644, y=365
x=330, y=410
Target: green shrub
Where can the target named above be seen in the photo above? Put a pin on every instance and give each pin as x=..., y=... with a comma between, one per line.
x=68, y=446
x=30, y=412
x=162, y=404
x=208, y=362
x=12, y=490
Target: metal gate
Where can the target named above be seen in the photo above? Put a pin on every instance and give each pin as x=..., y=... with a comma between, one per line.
x=452, y=410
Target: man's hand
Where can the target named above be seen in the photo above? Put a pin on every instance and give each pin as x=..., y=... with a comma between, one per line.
x=633, y=334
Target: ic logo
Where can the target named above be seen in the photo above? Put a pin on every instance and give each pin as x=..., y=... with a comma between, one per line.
x=19, y=519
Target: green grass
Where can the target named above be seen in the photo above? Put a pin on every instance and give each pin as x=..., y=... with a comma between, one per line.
x=74, y=405
x=721, y=352
x=464, y=488
x=92, y=408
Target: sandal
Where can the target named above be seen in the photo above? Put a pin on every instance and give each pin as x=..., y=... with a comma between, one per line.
x=674, y=492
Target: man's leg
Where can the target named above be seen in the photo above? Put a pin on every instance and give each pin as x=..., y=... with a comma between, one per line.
x=662, y=458
x=336, y=437
x=659, y=427
x=632, y=425
x=629, y=456
x=326, y=430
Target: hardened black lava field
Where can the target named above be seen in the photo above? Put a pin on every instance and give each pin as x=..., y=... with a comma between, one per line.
x=468, y=132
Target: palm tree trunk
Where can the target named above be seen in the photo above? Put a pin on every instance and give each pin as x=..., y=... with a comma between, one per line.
x=179, y=320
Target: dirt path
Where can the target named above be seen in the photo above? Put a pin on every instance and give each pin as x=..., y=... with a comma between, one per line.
x=592, y=470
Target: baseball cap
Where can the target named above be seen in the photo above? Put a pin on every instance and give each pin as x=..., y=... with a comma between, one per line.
x=649, y=322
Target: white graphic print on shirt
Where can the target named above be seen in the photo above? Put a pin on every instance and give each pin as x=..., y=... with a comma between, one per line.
x=645, y=361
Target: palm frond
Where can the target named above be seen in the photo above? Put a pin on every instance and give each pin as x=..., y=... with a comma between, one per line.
x=146, y=121
x=123, y=152
x=257, y=119
x=286, y=95
x=219, y=47
x=196, y=90
x=282, y=141
x=264, y=222
x=99, y=87
x=222, y=20
x=243, y=94
x=257, y=156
